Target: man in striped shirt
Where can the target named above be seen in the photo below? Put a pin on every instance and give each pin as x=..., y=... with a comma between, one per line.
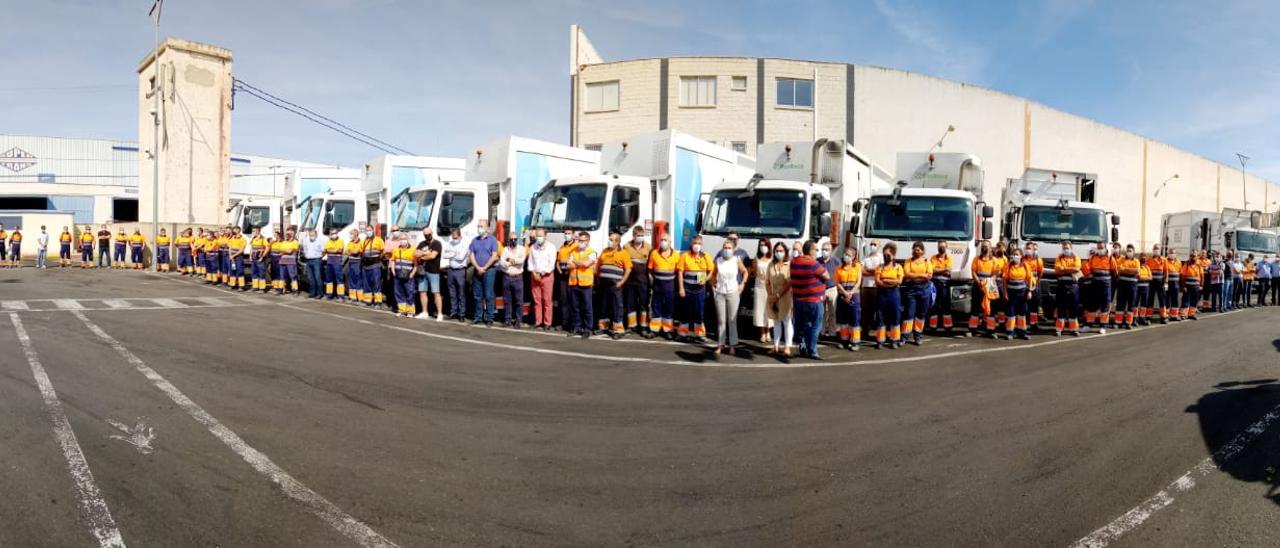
x=808, y=288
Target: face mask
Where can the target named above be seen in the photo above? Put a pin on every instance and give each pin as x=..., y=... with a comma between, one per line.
x=726, y=253
x=848, y=259
x=779, y=255
x=582, y=246
x=1029, y=253
x=1015, y=259
x=888, y=258
x=1128, y=254
x=665, y=245
x=426, y=237
x=986, y=251
x=1068, y=252
x=453, y=239
x=639, y=240
x=697, y=248
x=539, y=240
x=824, y=253
x=482, y=232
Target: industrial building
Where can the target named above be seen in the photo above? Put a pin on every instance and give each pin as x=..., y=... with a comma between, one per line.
x=740, y=102
x=96, y=180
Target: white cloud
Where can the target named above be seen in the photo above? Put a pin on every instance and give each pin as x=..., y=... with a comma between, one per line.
x=930, y=48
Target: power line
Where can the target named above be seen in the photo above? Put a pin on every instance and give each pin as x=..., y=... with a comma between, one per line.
x=348, y=131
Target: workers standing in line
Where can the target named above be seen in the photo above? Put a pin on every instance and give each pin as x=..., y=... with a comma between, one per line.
x=614, y=267
x=15, y=247
x=512, y=262
x=258, y=251
x=162, y=250
x=1173, y=288
x=1017, y=282
x=917, y=274
x=1127, y=267
x=333, y=254
x=136, y=245
x=237, y=244
x=286, y=253
x=118, y=252
x=403, y=268
x=1144, y=290
x=1067, y=270
x=1156, y=302
x=86, y=247
x=564, y=272
x=940, y=316
x=848, y=300
x=1031, y=258
x=662, y=266
x=183, y=246
x=352, y=255
x=64, y=248
x=582, y=277
x=1191, y=277
x=985, y=290
x=888, y=279
x=694, y=268
x=224, y=256
x=372, y=249
x=636, y=291
x=1099, y=269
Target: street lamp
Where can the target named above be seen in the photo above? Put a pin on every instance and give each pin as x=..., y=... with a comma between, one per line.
x=1244, y=184
x=1165, y=183
x=950, y=129
x=155, y=140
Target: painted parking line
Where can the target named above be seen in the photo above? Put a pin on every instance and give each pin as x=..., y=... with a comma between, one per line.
x=93, y=508
x=341, y=521
x=14, y=305
x=169, y=303
x=1134, y=518
x=68, y=304
x=117, y=303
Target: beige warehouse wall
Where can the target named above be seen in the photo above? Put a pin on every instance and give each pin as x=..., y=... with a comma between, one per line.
x=637, y=101
x=798, y=124
x=734, y=116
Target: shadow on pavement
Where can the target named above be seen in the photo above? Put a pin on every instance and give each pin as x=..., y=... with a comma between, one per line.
x=1225, y=414
x=1276, y=343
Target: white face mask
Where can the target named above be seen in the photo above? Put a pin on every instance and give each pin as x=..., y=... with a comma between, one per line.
x=779, y=255
x=665, y=245
x=482, y=232
x=582, y=245
x=539, y=239
x=1015, y=259
x=697, y=248
x=639, y=240
x=1068, y=252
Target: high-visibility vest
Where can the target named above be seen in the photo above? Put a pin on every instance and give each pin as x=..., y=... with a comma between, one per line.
x=1100, y=267
x=288, y=251
x=65, y=237
x=564, y=253
x=1127, y=269
x=1173, y=269
x=918, y=268
x=333, y=251
x=257, y=248
x=694, y=269
x=136, y=240
x=15, y=238
x=1157, y=266
x=849, y=276
x=162, y=240
x=888, y=274
x=582, y=276
x=402, y=261
x=1191, y=274
x=664, y=266
x=941, y=267
x=1018, y=277
x=614, y=264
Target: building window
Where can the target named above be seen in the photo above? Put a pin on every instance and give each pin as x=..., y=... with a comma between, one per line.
x=739, y=83
x=793, y=92
x=739, y=146
x=594, y=146
x=697, y=91
x=602, y=96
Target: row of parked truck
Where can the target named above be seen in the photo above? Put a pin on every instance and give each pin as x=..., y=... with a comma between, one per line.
x=675, y=184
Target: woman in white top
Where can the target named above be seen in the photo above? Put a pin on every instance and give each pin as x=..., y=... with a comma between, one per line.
x=760, y=310
x=728, y=278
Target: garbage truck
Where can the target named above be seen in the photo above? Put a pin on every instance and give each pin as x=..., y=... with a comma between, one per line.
x=1230, y=229
x=383, y=177
x=656, y=180
x=300, y=184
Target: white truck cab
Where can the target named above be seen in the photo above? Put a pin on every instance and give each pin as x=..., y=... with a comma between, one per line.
x=1047, y=207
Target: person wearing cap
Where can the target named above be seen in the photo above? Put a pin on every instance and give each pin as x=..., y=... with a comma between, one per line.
x=512, y=260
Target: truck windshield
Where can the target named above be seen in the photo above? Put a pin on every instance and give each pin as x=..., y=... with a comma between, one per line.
x=413, y=209
x=776, y=213
x=579, y=207
x=254, y=217
x=311, y=213
x=1049, y=224
x=1255, y=242
x=920, y=218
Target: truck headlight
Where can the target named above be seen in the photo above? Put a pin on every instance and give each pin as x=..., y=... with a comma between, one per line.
x=959, y=293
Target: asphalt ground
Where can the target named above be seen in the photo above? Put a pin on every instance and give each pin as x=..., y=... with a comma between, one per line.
x=203, y=418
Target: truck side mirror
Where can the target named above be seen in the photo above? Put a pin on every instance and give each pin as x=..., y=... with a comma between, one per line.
x=853, y=222
x=1115, y=235
x=989, y=212
x=448, y=199
x=824, y=224
x=986, y=230
x=824, y=204
x=1229, y=239
x=1115, y=220
x=1006, y=229
x=697, y=222
x=857, y=207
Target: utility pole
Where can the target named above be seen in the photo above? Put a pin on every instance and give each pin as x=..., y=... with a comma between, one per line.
x=155, y=140
x=1244, y=183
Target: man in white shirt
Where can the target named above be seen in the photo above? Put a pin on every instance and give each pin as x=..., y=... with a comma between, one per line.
x=512, y=262
x=42, y=247
x=455, y=256
x=542, y=266
x=871, y=260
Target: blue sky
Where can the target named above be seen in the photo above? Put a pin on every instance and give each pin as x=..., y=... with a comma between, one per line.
x=444, y=77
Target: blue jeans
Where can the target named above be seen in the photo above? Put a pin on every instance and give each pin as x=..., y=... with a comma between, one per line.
x=808, y=318
x=482, y=293
x=40, y=253
x=457, y=287
x=315, y=285
x=104, y=255
x=1226, y=293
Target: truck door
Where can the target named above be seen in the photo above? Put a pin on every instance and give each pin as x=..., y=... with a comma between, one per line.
x=457, y=210
x=624, y=209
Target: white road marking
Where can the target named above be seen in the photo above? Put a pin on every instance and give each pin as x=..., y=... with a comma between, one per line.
x=117, y=303
x=68, y=304
x=93, y=509
x=169, y=303
x=1141, y=513
x=338, y=519
x=14, y=305
x=212, y=301
x=139, y=436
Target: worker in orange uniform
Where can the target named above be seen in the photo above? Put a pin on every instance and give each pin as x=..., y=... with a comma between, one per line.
x=372, y=250
x=985, y=290
x=197, y=253
x=258, y=251
x=163, y=243
x=582, y=278
x=917, y=275
x=1155, y=302
x=1144, y=290
x=1099, y=268
x=1067, y=271
x=64, y=247
x=1192, y=275
x=1018, y=280
x=211, y=261
x=941, y=262
x=86, y=247
x=694, y=268
x=1203, y=262
x=663, y=264
x=355, y=276
x=15, y=247
x=286, y=252
x=1127, y=267
x=333, y=255
x=182, y=246
x=121, y=245
x=564, y=273
x=403, y=268
x=849, y=300
x=1173, y=292
x=889, y=299
x=237, y=249
x=614, y=269
x=136, y=245
x=1001, y=255
x=1031, y=258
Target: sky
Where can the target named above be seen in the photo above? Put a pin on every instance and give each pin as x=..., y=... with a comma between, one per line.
x=441, y=78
